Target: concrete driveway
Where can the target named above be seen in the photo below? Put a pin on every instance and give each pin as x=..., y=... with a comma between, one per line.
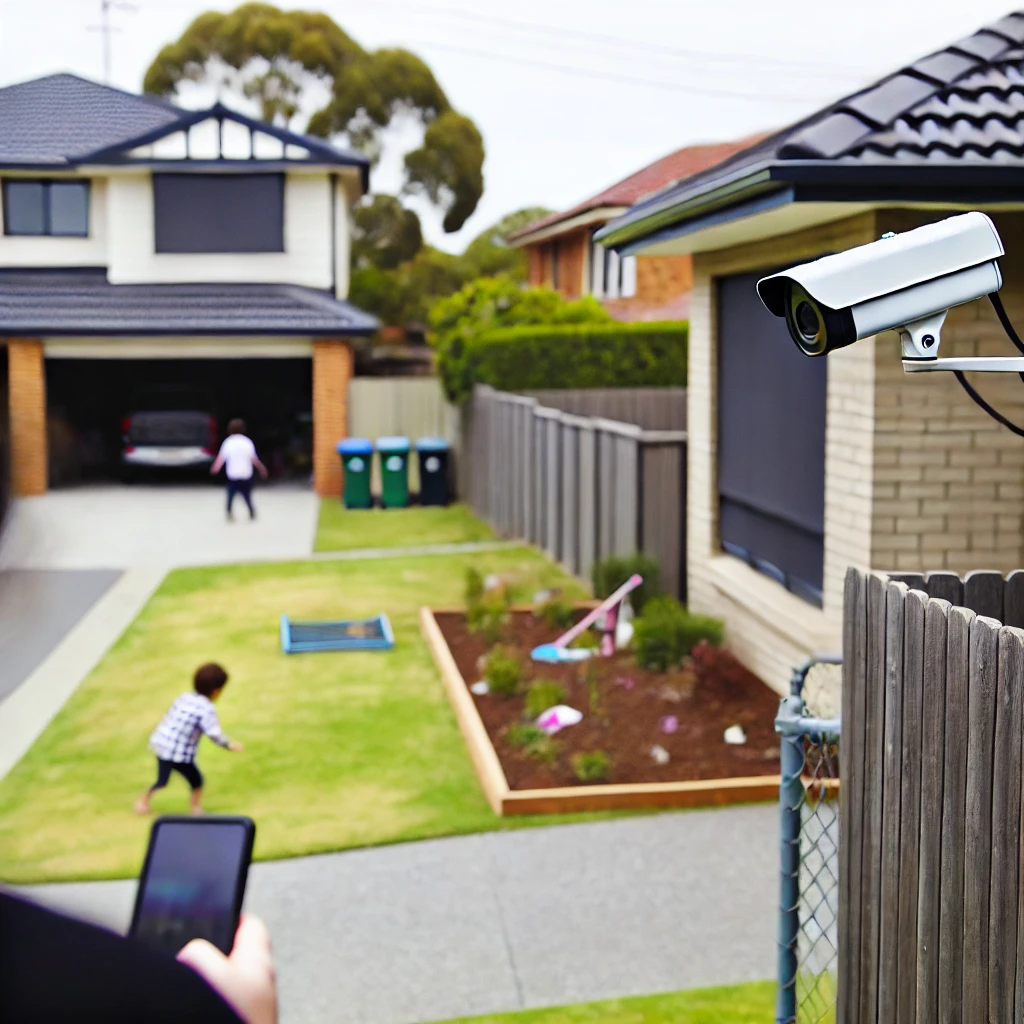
x=509, y=920
x=114, y=527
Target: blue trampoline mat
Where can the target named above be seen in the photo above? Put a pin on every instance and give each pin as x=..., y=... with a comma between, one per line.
x=340, y=635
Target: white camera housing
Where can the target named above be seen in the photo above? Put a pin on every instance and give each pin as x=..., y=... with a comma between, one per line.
x=905, y=282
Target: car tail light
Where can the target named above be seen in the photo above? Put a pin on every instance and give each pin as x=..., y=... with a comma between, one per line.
x=126, y=425
x=129, y=449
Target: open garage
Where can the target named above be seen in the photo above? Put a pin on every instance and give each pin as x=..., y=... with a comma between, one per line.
x=91, y=401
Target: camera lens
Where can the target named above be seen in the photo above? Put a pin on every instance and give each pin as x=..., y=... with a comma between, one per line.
x=806, y=320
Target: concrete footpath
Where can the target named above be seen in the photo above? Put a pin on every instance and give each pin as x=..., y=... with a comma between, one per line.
x=31, y=707
x=445, y=928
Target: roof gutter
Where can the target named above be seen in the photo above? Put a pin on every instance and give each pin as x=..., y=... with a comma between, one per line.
x=816, y=181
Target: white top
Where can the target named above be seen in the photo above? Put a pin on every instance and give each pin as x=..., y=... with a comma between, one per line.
x=238, y=453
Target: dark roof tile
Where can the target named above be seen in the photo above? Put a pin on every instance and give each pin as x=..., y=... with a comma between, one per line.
x=81, y=304
x=888, y=99
x=836, y=134
x=982, y=44
x=1012, y=27
x=50, y=120
x=944, y=67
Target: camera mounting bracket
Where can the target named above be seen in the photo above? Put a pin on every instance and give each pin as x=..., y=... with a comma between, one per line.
x=920, y=338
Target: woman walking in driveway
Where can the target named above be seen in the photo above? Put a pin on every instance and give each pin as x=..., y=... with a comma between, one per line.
x=238, y=456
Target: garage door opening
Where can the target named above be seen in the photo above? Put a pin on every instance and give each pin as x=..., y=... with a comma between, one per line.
x=88, y=401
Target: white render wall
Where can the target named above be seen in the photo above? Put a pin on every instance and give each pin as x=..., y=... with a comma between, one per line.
x=307, y=240
x=32, y=251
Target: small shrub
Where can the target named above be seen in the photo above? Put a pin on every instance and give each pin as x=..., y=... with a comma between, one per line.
x=608, y=574
x=591, y=767
x=667, y=632
x=588, y=640
x=488, y=610
x=474, y=586
x=503, y=672
x=555, y=612
x=533, y=740
x=541, y=695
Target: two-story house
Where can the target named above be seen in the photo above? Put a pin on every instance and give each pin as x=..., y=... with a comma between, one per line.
x=564, y=255
x=144, y=243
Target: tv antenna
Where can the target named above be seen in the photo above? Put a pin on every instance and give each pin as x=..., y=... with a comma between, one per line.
x=106, y=6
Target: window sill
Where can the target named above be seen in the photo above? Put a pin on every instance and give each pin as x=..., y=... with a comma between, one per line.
x=798, y=621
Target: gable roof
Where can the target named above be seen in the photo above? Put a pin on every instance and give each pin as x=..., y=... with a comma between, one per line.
x=61, y=121
x=671, y=168
x=948, y=125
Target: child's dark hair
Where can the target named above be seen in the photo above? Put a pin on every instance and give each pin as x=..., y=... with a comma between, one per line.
x=236, y=426
x=209, y=679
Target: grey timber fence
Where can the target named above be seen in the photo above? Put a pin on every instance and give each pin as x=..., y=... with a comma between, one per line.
x=931, y=904
x=581, y=487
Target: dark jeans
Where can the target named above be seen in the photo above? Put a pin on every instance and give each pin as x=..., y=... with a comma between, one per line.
x=188, y=770
x=244, y=488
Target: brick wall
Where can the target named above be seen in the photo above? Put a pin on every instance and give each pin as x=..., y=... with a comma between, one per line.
x=27, y=405
x=661, y=282
x=916, y=476
x=535, y=265
x=332, y=371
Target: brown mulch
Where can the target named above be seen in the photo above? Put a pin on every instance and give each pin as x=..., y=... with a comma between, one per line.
x=708, y=696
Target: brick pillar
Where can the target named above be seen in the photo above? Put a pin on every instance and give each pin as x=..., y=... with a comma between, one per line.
x=332, y=370
x=27, y=399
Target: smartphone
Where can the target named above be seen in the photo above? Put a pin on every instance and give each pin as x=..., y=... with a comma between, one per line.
x=193, y=882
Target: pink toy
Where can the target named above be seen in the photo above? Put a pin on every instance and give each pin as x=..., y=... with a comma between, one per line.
x=560, y=651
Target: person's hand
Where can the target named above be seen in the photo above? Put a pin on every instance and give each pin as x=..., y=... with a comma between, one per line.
x=246, y=978
x=235, y=747
x=264, y=472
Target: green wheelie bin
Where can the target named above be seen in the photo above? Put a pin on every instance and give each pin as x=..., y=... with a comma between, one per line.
x=356, y=455
x=394, y=471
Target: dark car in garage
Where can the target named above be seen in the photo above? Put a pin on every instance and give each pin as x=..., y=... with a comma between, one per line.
x=168, y=429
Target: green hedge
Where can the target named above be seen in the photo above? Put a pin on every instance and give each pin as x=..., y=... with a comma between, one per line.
x=572, y=356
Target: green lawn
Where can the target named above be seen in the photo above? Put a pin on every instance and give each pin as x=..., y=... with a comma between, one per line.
x=341, y=749
x=341, y=529
x=753, y=1003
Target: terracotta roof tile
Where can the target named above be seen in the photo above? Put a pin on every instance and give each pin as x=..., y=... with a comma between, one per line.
x=677, y=165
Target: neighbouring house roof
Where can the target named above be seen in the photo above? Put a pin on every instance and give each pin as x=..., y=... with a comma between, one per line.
x=948, y=128
x=62, y=121
x=679, y=164
x=83, y=304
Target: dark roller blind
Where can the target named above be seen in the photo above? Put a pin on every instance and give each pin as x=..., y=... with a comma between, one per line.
x=771, y=441
x=219, y=212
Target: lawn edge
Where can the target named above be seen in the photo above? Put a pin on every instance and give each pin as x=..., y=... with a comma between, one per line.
x=566, y=800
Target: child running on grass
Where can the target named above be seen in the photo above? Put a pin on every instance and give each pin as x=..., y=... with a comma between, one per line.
x=175, y=740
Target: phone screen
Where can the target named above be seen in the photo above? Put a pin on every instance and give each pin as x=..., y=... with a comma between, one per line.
x=193, y=882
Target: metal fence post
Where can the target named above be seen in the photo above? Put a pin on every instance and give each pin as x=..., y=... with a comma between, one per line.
x=790, y=798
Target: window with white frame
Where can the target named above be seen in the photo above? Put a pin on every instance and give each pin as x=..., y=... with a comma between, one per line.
x=611, y=276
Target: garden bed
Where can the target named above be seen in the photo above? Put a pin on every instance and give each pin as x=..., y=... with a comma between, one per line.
x=627, y=711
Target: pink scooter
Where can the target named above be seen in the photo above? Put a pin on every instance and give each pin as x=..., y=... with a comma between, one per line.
x=560, y=650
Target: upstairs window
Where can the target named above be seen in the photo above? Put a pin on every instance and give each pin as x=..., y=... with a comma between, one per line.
x=225, y=213
x=611, y=276
x=59, y=208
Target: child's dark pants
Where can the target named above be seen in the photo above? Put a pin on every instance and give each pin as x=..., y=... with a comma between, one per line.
x=244, y=488
x=186, y=769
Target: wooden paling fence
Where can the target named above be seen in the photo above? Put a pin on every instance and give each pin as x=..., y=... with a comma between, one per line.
x=931, y=905
x=580, y=487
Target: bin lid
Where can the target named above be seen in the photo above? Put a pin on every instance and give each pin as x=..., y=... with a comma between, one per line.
x=399, y=445
x=355, y=446
x=432, y=444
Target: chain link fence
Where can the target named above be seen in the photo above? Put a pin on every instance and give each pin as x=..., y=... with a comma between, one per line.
x=809, y=858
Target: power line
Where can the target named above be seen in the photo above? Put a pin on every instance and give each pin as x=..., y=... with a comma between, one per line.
x=617, y=41
x=612, y=76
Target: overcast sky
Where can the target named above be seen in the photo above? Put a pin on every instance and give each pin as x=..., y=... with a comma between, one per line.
x=570, y=95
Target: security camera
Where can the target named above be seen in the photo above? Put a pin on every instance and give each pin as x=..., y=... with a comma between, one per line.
x=905, y=282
